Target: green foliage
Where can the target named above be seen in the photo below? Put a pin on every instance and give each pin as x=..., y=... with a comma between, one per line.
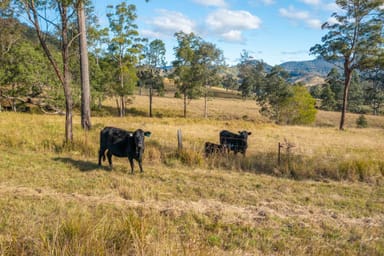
x=230, y=82
x=25, y=71
x=124, y=48
x=356, y=94
x=328, y=98
x=336, y=84
x=154, y=54
x=362, y=122
x=298, y=108
x=355, y=38
x=252, y=76
x=196, y=65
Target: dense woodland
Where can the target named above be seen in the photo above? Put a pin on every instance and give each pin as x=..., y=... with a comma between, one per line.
x=36, y=65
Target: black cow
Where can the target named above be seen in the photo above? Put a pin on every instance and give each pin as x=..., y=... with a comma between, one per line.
x=122, y=143
x=212, y=148
x=235, y=142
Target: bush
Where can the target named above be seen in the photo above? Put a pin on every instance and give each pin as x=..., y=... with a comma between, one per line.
x=299, y=108
x=361, y=122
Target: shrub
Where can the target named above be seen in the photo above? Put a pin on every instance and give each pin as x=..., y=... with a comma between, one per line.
x=299, y=108
x=362, y=122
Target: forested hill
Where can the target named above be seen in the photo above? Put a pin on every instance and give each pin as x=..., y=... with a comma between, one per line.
x=317, y=66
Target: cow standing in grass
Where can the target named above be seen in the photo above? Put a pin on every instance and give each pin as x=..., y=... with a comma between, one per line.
x=214, y=149
x=122, y=143
x=235, y=142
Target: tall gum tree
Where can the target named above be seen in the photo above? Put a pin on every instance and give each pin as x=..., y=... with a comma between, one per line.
x=35, y=11
x=196, y=66
x=84, y=67
x=124, y=48
x=355, y=38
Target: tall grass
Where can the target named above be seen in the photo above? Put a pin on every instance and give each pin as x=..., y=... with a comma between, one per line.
x=324, y=197
x=318, y=153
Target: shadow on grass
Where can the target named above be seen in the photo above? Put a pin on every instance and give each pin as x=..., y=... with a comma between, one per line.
x=83, y=166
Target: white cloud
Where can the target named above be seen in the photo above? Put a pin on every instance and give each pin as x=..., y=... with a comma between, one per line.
x=216, y=3
x=292, y=13
x=226, y=20
x=256, y=3
x=311, y=2
x=314, y=23
x=170, y=22
x=233, y=36
x=268, y=2
x=333, y=21
x=150, y=34
x=229, y=24
x=333, y=7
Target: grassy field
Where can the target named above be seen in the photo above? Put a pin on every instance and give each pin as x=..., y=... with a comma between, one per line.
x=326, y=197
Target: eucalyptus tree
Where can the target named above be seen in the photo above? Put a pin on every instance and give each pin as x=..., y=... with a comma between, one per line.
x=274, y=94
x=355, y=38
x=375, y=89
x=150, y=72
x=124, y=48
x=209, y=61
x=24, y=76
x=252, y=76
x=335, y=81
x=84, y=66
x=154, y=54
x=230, y=82
x=196, y=65
x=184, y=64
x=37, y=13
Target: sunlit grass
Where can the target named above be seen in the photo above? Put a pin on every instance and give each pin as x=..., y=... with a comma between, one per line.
x=325, y=197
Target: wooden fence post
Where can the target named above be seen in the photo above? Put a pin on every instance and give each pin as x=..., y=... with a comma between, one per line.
x=279, y=154
x=179, y=140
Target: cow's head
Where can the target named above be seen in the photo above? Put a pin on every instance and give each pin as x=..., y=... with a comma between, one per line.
x=244, y=134
x=138, y=136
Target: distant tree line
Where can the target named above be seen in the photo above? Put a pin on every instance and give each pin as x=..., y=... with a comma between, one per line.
x=280, y=100
x=366, y=93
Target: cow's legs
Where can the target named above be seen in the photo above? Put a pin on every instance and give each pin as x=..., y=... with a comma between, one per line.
x=109, y=156
x=101, y=155
x=131, y=163
x=141, y=167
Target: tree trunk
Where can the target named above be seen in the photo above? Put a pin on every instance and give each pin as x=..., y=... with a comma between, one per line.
x=185, y=105
x=64, y=77
x=84, y=66
x=122, y=106
x=118, y=106
x=150, y=101
x=347, y=83
x=122, y=102
x=68, y=111
x=67, y=79
x=206, y=103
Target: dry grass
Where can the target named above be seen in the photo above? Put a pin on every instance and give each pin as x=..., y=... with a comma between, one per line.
x=54, y=199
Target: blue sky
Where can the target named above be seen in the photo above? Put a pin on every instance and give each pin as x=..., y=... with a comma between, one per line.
x=271, y=30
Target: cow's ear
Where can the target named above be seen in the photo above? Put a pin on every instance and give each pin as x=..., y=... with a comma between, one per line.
x=147, y=134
